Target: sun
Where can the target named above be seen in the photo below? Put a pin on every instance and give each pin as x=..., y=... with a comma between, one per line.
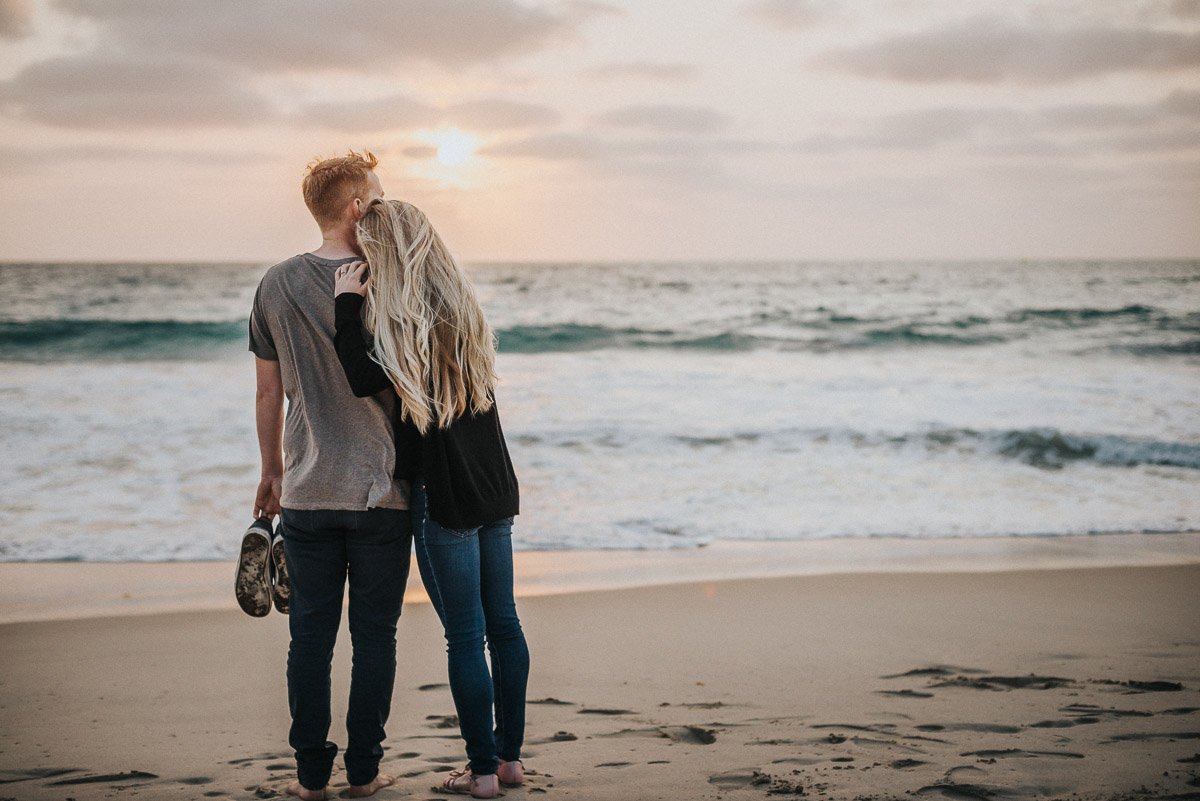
x=447, y=156
x=454, y=146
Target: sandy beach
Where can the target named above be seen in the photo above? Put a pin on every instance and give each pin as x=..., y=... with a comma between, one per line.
x=1078, y=682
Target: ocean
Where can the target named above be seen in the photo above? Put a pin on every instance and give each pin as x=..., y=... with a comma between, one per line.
x=657, y=405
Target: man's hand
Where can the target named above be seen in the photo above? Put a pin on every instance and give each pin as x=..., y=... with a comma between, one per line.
x=266, y=502
x=350, y=278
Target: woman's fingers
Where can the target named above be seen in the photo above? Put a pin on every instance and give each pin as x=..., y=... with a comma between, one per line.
x=350, y=278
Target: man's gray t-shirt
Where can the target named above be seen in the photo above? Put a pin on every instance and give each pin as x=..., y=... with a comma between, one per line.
x=338, y=450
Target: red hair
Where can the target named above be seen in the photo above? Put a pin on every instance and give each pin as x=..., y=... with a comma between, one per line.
x=329, y=184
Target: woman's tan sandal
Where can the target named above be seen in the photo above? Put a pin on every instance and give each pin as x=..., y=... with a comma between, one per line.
x=464, y=782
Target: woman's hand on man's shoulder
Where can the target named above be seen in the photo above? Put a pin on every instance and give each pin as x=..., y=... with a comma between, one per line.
x=350, y=278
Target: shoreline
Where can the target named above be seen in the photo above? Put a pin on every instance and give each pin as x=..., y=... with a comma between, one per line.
x=46, y=591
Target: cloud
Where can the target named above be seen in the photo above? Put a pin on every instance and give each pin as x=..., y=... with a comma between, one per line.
x=551, y=147
x=661, y=161
x=391, y=112
x=15, y=19
x=495, y=115
x=354, y=35
x=665, y=119
x=420, y=151
x=401, y=112
x=580, y=147
x=920, y=129
x=583, y=10
x=159, y=62
x=19, y=158
x=1153, y=141
x=783, y=14
x=991, y=50
x=644, y=70
x=1186, y=9
x=1051, y=132
x=119, y=92
x=1182, y=103
x=1169, y=123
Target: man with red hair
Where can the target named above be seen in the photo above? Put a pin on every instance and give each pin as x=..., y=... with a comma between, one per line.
x=342, y=514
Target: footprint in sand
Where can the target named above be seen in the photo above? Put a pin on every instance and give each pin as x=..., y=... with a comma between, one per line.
x=991, y=728
x=688, y=734
x=838, y=739
x=607, y=712
x=1085, y=714
x=1131, y=687
x=132, y=775
x=1010, y=753
x=557, y=737
x=427, y=687
x=1030, y=682
x=934, y=670
x=258, y=758
x=962, y=792
x=9, y=776
x=882, y=728
x=741, y=777
x=551, y=702
x=1144, y=737
x=693, y=735
x=753, y=777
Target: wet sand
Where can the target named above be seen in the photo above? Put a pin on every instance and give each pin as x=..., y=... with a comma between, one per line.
x=1080, y=683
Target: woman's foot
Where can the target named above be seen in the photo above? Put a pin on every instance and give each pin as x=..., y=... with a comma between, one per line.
x=305, y=794
x=380, y=781
x=466, y=783
x=511, y=774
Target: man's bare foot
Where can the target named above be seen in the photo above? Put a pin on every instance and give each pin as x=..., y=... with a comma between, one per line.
x=363, y=790
x=305, y=794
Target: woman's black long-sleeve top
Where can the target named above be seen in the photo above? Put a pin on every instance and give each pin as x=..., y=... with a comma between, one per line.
x=469, y=477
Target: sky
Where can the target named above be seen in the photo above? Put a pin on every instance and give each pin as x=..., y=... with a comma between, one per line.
x=607, y=129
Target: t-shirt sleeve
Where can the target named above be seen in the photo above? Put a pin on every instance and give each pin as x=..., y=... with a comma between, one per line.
x=262, y=344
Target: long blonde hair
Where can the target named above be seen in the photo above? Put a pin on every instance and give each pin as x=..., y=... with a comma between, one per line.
x=431, y=336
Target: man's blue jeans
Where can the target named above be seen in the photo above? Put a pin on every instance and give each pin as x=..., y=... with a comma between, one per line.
x=323, y=548
x=469, y=577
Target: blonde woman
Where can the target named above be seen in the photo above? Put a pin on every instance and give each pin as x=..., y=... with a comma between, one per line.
x=435, y=350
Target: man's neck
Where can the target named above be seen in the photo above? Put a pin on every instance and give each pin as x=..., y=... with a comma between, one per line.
x=334, y=245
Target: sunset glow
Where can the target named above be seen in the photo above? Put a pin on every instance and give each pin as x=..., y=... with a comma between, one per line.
x=552, y=129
